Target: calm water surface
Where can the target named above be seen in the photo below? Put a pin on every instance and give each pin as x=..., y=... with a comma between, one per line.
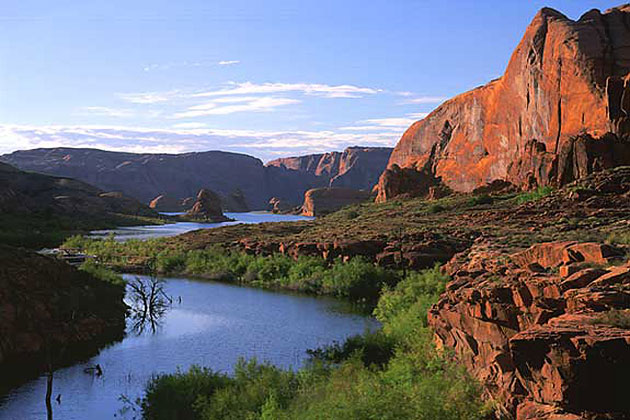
x=214, y=325
x=145, y=232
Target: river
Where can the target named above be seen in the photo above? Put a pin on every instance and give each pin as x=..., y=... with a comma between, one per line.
x=172, y=229
x=213, y=326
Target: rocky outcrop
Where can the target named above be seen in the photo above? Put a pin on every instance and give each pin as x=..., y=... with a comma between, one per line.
x=321, y=201
x=207, y=207
x=47, y=306
x=542, y=329
x=280, y=206
x=558, y=112
x=355, y=167
x=165, y=203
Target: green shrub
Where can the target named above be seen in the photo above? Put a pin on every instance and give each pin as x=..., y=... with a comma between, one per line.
x=435, y=208
x=479, y=200
x=534, y=195
x=102, y=273
x=175, y=396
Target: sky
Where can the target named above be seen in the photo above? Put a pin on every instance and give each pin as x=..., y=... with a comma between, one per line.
x=267, y=78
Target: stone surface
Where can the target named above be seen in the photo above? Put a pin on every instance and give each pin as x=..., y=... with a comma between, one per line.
x=166, y=203
x=321, y=201
x=355, y=168
x=539, y=342
x=545, y=121
x=207, y=207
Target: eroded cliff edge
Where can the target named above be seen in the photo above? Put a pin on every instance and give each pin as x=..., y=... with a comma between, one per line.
x=558, y=113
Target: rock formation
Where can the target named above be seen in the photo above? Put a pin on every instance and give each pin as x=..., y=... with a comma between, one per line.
x=278, y=205
x=46, y=302
x=558, y=112
x=166, y=203
x=321, y=201
x=207, y=207
x=542, y=329
x=356, y=167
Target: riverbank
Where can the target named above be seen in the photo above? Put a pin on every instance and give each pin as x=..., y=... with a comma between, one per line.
x=52, y=314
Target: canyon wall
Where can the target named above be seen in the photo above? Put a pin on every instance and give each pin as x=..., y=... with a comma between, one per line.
x=565, y=79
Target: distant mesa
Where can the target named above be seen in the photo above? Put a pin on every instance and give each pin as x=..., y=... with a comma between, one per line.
x=356, y=167
x=558, y=113
x=207, y=207
x=322, y=201
x=243, y=182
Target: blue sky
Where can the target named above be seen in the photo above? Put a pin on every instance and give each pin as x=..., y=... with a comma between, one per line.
x=268, y=78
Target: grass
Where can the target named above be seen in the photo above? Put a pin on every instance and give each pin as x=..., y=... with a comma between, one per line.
x=395, y=373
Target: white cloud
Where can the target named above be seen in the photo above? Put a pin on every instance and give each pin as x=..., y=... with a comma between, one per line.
x=107, y=112
x=228, y=62
x=148, y=97
x=189, y=125
x=236, y=104
x=426, y=100
x=315, y=89
x=264, y=144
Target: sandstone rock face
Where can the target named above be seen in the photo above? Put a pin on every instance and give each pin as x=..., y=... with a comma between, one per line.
x=535, y=327
x=356, y=167
x=565, y=79
x=166, y=203
x=321, y=201
x=207, y=207
x=45, y=299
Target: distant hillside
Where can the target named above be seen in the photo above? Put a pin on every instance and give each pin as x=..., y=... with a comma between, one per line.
x=146, y=176
x=39, y=210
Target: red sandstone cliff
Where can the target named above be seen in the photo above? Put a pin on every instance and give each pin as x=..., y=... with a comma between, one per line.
x=565, y=78
x=356, y=167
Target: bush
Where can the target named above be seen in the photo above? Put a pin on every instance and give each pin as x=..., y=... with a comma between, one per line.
x=534, y=195
x=102, y=273
x=479, y=200
x=174, y=396
x=435, y=208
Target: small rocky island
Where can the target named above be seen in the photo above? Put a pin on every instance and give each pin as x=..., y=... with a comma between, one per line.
x=207, y=208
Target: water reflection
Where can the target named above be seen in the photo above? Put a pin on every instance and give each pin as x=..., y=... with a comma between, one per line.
x=149, y=303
